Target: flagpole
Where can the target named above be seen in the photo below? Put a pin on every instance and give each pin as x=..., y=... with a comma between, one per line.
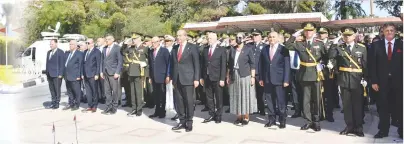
x=6, y=46
x=54, y=133
x=75, y=123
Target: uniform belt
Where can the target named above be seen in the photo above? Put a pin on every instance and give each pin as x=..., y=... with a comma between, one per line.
x=125, y=65
x=308, y=64
x=350, y=69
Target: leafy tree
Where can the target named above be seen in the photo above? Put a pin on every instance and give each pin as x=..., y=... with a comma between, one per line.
x=392, y=6
x=254, y=9
x=346, y=8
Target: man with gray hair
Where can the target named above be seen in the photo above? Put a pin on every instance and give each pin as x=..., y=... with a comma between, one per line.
x=73, y=74
x=111, y=68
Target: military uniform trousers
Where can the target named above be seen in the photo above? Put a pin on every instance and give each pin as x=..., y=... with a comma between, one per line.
x=136, y=89
x=352, y=101
x=330, y=95
x=311, y=100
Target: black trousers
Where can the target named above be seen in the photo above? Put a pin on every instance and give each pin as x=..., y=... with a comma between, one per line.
x=214, y=97
x=74, y=90
x=101, y=91
x=126, y=86
x=184, y=97
x=112, y=88
x=297, y=93
x=259, y=94
x=148, y=94
x=201, y=94
x=159, y=96
x=136, y=89
x=311, y=100
x=352, y=101
x=91, y=87
x=390, y=104
x=55, y=84
x=275, y=96
x=329, y=96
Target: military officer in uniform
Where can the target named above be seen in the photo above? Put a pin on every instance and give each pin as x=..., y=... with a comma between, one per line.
x=258, y=45
x=311, y=52
x=125, y=78
x=330, y=92
x=350, y=57
x=136, y=56
x=148, y=88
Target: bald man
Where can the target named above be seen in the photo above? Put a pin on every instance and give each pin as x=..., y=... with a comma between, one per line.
x=185, y=73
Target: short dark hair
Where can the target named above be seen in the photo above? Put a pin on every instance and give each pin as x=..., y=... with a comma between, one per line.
x=54, y=40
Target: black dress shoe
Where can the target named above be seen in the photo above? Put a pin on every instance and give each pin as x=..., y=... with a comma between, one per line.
x=113, y=111
x=269, y=124
x=262, y=113
x=127, y=105
x=238, y=121
x=55, y=107
x=75, y=108
x=342, y=111
x=245, y=122
x=175, y=117
x=178, y=127
x=381, y=135
x=133, y=112
x=346, y=131
x=211, y=118
x=153, y=115
x=316, y=127
x=107, y=110
x=188, y=128
x=296, y=115
x=306, y=127
x=205, y=109
x=67, y=107
x=359, y=134
x=218, y=120
x=139, y=113
x=282, y=125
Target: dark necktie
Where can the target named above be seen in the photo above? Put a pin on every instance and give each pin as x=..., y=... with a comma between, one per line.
x=295, y=60
x=389, y=51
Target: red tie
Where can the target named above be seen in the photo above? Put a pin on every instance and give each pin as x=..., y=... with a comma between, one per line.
x=179, y=54
x=154, y=53
x=389, y=51
x=210, y=53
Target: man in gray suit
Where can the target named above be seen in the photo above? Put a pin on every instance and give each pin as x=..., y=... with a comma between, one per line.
x=111, y=68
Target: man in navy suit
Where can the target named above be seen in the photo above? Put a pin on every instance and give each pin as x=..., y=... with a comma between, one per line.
x=54, y=72
x=73, y=74
x=274, y=77
x=159, y=76
x=386, y=76
x=92, y=63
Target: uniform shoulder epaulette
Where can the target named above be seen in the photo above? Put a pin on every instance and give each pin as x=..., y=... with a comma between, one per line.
x=361, y=45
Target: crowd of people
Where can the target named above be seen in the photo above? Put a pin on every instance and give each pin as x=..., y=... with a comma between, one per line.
x=251, y=73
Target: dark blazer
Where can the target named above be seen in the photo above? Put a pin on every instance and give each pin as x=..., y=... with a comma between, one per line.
x=74, y=67
x=216, y=64
x=113, y=62
x=257, y=52
x=382, y=67
x=276, y=71
x=56, y=64
x=187, y=70
x=159, y=65
x=245, y=61
x=92, y=64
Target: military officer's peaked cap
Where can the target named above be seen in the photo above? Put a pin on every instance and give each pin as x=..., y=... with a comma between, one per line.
x=348, y=30
x=225, y=36
x=323, y=30
x=255, y=31
x=308, y=26
x=286, y=35
x=232, y=36
x=169, y=38
x=147, y=38
x=136, y=35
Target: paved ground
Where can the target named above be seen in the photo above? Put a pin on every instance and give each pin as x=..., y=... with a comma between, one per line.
x=25, y=121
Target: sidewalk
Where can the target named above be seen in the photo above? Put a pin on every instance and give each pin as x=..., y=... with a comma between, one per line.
x=96, y=128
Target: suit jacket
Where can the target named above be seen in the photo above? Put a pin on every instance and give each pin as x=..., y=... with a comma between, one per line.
x=74, y=67
x=277, y=70
x=56, y=64
x=93, y=63
x=257, y=52
x=246, y=61
x=215, y=65
x=187, y=70
x=159, y=65
x=382, y=67
x=112, y=63
x=317, y=49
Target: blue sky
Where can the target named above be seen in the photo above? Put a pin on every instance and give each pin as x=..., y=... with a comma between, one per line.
x=376, y=11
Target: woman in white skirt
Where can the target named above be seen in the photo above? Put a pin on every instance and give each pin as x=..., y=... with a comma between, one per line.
x=241, y=80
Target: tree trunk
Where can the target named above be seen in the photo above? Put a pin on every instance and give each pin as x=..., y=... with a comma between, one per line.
x=343, y=10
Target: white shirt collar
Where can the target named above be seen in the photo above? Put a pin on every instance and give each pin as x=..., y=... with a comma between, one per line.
x=275, y=45
x=392, y=42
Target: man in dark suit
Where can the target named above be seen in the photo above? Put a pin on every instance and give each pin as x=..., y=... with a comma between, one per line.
x=54, y=72
x=351, y=59
x=387, y=79
x=101, y=91
x=258, y=46
x=213, y=76
x=159, y=65
x=185, y=73
x=111, y=68
x=92, y=63
x=73, y=75
x=311, y=52
x=274, y=77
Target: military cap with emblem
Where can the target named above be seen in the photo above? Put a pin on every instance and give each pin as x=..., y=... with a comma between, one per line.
x=308, y=26
x=286, y=35
x=169, y=38
x=255, y=31
x=232, y=36
x=147, y=38
x=348, y=30
x=136, y=35
x=323, y=30
x=224, y=35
